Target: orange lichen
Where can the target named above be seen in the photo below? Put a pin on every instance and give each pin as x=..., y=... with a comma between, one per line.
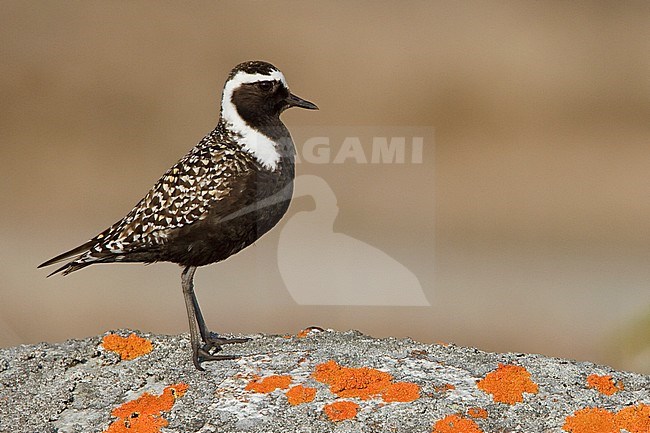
x=268, y=384
x=455, y=424
x=128, y=348
x=445, y=387
x=300, y=394
x=591, y=420
x=477, y=412
x=508, y=383
x=303, y=333
x=604, y=384
x=340, y=410
x=634, y=419
x=361, y=382
x=364, y=383
x=143, y=415
x=401, y=391
x=145, y=424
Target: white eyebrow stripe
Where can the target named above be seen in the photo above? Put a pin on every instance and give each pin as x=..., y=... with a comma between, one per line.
x=242, y=77
x=261, y=146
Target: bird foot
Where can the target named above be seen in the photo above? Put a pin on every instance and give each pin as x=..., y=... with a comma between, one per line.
x=213, y=340
x=202, y=355
x=213, y=345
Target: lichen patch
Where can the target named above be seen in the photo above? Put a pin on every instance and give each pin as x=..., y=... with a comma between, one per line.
x=508, y=383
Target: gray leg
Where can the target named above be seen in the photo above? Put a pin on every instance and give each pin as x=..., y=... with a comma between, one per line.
x=201, y=349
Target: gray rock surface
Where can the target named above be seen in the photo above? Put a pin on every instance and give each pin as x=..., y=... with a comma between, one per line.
x=74, y=386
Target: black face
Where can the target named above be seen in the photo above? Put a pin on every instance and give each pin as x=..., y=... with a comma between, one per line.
x=261, y=103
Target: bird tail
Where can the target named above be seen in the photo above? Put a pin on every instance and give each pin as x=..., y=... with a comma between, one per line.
x=74, y=254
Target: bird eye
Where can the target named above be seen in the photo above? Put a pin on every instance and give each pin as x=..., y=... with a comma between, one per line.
x=265, y=85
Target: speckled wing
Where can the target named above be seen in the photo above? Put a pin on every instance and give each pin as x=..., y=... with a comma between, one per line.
x=182, y=196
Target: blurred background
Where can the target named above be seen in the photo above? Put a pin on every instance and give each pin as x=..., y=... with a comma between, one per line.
x=526, y=223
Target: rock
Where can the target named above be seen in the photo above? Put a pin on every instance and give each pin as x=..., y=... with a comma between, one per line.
x=76, y=385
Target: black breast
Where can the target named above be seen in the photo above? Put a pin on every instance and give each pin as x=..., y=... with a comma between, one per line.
x=257, y=200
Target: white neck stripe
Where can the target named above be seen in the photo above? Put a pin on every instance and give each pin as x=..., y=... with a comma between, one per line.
x=261, y=146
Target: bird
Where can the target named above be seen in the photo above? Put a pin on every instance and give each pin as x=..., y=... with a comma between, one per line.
x=222, y=196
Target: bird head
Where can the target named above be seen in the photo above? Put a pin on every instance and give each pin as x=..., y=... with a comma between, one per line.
x=257, y=93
